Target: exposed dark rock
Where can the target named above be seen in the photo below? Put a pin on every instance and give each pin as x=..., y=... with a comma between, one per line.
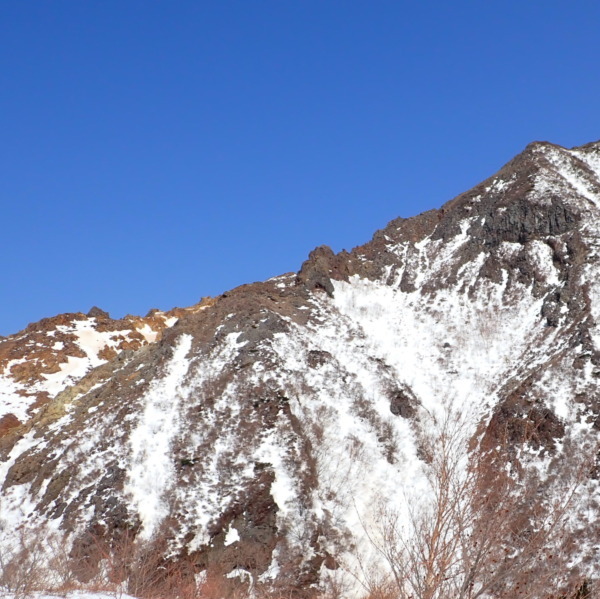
x=403, y=404
x=517, y=421
x=521, y=221
x=317, y=271
x=254, y=517
x=318, y=358
x=7, y=422
x=96, y=312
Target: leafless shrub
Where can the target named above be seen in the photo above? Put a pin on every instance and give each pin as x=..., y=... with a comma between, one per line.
x=21, y=570
x=484, y=530
x=59, y=567
x=141, y=568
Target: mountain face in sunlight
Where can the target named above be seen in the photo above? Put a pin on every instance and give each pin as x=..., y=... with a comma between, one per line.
x=264, y=432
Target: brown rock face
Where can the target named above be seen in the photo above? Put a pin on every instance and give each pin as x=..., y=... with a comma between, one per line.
x=7, y=422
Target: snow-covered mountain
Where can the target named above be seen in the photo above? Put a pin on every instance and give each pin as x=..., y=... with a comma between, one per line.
x=265, y=432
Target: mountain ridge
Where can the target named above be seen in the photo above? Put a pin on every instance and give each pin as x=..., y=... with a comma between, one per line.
x=259, y=432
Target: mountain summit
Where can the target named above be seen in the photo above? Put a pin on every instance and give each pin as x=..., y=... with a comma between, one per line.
x=269, y=433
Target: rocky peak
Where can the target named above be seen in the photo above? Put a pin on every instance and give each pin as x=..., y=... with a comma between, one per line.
x=267, y=426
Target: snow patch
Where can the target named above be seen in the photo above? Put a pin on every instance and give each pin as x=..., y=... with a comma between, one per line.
x=148, y=332
x=232, y=536
x=151, y=470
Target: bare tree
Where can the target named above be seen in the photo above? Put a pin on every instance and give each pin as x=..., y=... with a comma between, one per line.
x=491, y=526
x=20, y=571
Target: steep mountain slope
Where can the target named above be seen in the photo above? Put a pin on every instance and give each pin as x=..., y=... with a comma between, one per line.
x=266, y=432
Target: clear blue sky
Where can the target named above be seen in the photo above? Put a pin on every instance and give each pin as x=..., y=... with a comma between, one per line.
x=154, y=152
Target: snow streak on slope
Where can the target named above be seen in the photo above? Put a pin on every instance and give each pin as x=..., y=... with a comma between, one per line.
x=151, y=474
x=448, y=352
x=584, y=182
x=362, y=452
x=450, y=347
x=11, y=402
x=16, y=506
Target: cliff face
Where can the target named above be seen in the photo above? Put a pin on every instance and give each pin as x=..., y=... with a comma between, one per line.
x=264, y=431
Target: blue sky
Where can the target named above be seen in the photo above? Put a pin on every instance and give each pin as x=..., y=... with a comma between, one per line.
x=154, y=152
